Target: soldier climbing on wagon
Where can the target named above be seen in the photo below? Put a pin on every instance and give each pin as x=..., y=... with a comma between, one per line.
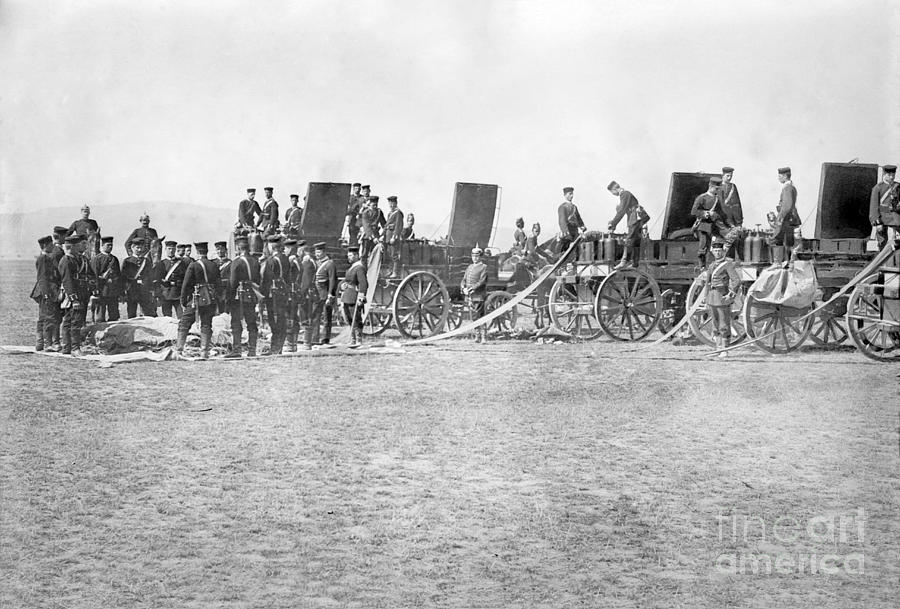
x=637, y=218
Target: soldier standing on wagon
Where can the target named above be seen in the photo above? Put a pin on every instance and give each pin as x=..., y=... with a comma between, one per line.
x=786, y=219
x=570, y=222
x=637, y=219
x=732, y=210
x=108, y=272
x=474, y=288
x=137, y=270
x=393, y=227
x=884, y=206
x=708, y=215
x=722, y=282
x=44, y=293
x=270, y=211
x=292, y=217
x=351, y=220
x=247, y=210
x=198, y=297
x=372, y=223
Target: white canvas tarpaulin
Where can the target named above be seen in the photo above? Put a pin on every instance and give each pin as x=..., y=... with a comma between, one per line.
x=792, y=287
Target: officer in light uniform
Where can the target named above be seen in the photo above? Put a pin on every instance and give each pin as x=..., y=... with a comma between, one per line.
x=884, y=205
x=474, y=288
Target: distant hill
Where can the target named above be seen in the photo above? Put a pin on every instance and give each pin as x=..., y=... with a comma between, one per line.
x=178, y=221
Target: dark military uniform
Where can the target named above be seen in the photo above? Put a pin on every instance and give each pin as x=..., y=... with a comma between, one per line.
x=372, y=221
x=147, y=235
x=787, y=219
x=275, y=285
x=244, y=285
x=222, y=290
x=270, y=210
x=570, y=223
x=355, y=283
x=169, y=276
x=45, y=293
x=292, y=218
x=710, y=220
x=636, y=218
x=296, y=301
x=138, y=275
x=308, y=300
x=199, y=286
x=246, y=211
x=109, y=286
x=393, y=227
x=75, y=277
x=353, y=209
x=326, y=284
x=884, y=210
x=474, y=287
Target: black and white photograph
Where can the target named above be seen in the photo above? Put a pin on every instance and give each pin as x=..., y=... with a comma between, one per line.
x=449, y=303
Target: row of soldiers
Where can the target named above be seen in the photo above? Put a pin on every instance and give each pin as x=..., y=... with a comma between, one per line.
x=294, y=288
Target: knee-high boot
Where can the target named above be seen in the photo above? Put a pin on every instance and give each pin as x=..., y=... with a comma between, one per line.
x=205, y=339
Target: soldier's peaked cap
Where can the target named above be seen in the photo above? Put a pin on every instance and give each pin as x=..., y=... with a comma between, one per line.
x=274, y=238
x=728, y=169
x=392, y=198
x=355, y=184
x=221, y=244
x=106, y=240
x=202, y=246
x=568, y=189
x=301, y=242
x=135, y=241
x=295, y=196
x=612, y=185
x=366, y=186
x=717, y=242
x=374, y=198
x=269, y=188
x=715, y=180
x=251, y=190
x=290, y=242
x=321, y=245
x=73, y=239
x=45, y=240
x=171, y=243
x=60, y=230
x=183, y=245
x=353, y=248
x=890, y=168
x=784, y=170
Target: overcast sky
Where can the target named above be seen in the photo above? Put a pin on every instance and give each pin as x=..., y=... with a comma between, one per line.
x=107, y=102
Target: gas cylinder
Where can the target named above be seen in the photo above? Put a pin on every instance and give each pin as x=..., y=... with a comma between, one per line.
x=609, y=248
x=756, y=247
x=255, y=241
x=747, y=250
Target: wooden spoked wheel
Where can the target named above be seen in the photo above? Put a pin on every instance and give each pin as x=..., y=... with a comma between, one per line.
x=421, y=305
x=628, y=304
x=379, y=317
x=507, y=321
x=778, y=327
x=456, y=315
x=829, y=327
x=572, y=308
x=701, y=322
x=873, y=320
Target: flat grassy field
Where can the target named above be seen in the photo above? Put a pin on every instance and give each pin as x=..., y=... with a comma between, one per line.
x=505, y=475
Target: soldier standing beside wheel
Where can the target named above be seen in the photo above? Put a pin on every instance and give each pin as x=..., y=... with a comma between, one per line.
x=884, y=206
x=353, y=295
x=198, y=297
x=393, y=228
x=637, y=218
x=570, y=222
x=722, y=282
x=474, y=288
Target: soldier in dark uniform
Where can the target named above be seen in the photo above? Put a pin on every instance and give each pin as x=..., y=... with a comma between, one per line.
x=351, y=220
x=308, y=298
x=56, y=254
x=294, y=274
x=637, y=218
x=709, y=217
x=198, y=297
x=519, y=237
x=244, y=283
x=74, y=274
x=247, y=209
x=88, y=228
x=326, y=289
x=353, y=295
x=59, y=237
x=185, y=253
x=474, y=288
x=292, y=217
x=109, y=281
x=276, y=281
x=393, y=227
x=169, y=274
x=45, y=292
x=884, y=205
x=723, y=281
x=137, y=271
x=222, y=262
x=372, y=222
x=270, y=210
x=732, y=210
x=570, y=222
x=786, y=219
x=144, y=232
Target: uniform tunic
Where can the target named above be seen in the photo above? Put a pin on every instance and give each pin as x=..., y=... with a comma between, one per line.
x=246, y=210
x=570, y=223
x=138, y=275
x=74, y=274
x=355, y=283
x=722, y=278
x=275, y=284
x=244, y=280
x=475, y=282
x=109, y=286
x=147, y=235
x=884, y=210
x=200, y=272
x=635, y=216
x=730, y=204
x=45, y=293
x=787, y=218
x=270, y=207
x=326, y=286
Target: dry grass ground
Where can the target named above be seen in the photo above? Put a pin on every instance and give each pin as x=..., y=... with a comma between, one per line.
x=505, y=475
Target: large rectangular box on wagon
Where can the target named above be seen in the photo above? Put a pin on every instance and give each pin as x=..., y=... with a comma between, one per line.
x=843, y=208
x=325, y=210
x=472, y=215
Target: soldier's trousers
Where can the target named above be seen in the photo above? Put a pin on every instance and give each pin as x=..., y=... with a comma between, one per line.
x=721, y=318
x=72, y=324
x=784, y=237
x=366, y=245
x=190, y=316
x=170, y=306
x=356, y=320
x=277, y=315
x=718, y=227
x=393, y=251
x=353, y=233
x=320, y=309
x=106, y=309
x=248, y=313
x=48, y=309
x=881, y=234
x=143, y=298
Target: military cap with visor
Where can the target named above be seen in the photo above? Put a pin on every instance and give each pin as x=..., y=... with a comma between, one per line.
x=890, y=169
x=45, y=240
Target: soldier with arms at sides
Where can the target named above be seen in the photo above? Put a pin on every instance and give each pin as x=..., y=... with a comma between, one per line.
x=353, y=295
x=308, y=298
x=722, y=282
x=109, y=282
x=786, y=219
x=137, y=271
x=393, y=227
x=570, y=222
x=351, y=220
x=275, y=283
x=326, y=288
x=474, y=288
x=59, y=237
x=74, y=273
x=636, y=219
x=372, y=223
x=292, y=218
x=222, y=262
x=294, y=273
x=45, y=293
x=198, y=297
x=244, y=284
x=884, y=205
x=270, y=211
x=169, y=274
x=732, y=210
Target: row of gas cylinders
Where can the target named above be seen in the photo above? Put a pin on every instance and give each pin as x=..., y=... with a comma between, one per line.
x=609, y=247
